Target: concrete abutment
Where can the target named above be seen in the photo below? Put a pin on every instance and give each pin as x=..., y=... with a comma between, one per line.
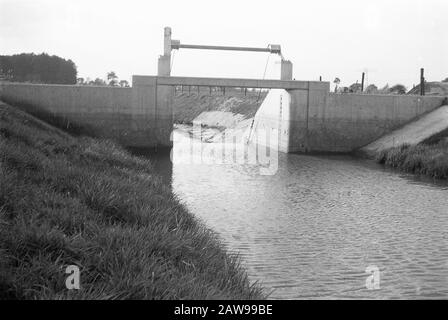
x=316, y=120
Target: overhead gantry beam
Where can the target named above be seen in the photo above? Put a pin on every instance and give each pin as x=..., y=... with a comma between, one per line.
x=164, y=64
x=225, y=82
x=273, y=48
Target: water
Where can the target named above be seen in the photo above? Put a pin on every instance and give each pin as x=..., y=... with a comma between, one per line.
x=311, y=230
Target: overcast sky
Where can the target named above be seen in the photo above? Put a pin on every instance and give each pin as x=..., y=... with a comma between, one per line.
x=391, y=40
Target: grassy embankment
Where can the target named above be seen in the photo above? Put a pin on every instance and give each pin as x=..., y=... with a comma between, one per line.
x=68, y=200
x=188, y=106
x=428, y=159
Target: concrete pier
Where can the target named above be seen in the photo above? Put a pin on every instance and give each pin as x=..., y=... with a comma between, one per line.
x=286, y=70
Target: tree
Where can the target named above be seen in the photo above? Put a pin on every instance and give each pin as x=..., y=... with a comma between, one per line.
x=355, y=87
x=336, y=81
x=80, y=81
x=112, y=78
x=123, y=83
x=445, y=80
x=371, y=89
x=42, y=68
x=384, y=90
x=398, y=89
x=98, y=82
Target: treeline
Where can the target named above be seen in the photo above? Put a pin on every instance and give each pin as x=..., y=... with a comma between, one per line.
x=373, y=89
x=37, y=68
x=112, y=80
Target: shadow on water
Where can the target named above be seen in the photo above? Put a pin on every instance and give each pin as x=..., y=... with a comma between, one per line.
x=160, y=159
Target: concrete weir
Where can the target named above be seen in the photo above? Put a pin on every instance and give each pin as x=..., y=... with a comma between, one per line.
x=296, y=116
x=303, y=115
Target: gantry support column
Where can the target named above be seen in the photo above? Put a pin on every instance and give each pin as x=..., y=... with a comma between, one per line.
x=163, y=95
x=286, y=70
x=164, y=66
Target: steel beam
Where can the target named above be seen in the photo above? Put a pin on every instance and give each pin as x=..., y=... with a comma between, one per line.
x=175, y=44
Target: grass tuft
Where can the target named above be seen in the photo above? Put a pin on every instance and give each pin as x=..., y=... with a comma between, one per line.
x=430, y=160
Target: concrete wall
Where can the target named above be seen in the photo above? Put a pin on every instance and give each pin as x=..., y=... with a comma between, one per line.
x=430, y=125
x=316, y=120
x=349, y=121
x=106, y=112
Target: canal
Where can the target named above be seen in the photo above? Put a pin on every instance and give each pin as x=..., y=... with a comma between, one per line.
x=312, y=229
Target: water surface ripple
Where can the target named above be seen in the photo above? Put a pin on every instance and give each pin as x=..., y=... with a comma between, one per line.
x=312, y=229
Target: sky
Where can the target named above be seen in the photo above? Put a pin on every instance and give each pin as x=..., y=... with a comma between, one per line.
x=390, y=40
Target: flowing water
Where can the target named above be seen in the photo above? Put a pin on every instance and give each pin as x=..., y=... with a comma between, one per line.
x=312, y=229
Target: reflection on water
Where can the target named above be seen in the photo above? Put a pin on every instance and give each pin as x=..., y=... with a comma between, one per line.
x=312, y=229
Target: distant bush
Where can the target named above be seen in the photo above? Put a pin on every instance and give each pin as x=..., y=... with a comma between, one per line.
x=398, y=89
x=371, y=89
x=112, y=80
x=355, y=88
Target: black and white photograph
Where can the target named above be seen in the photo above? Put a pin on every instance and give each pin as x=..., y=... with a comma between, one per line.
x=225, y=156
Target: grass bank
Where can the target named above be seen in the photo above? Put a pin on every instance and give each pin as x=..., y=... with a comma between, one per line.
x=68, y=200
x=189, y=106
x=428, y=159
